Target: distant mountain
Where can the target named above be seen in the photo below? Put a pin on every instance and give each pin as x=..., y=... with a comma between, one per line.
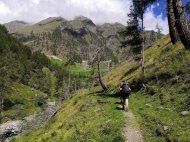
x=15, y=25
x=77, y=39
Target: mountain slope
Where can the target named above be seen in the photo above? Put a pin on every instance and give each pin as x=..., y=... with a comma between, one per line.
x=93, y=116
x=77, y=39
x=22, y=101
x=18, y=66
x=88, y=116
x=160, y=105
x=16, y=25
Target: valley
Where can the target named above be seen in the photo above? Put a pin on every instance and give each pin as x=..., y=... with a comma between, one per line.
x=65, y=77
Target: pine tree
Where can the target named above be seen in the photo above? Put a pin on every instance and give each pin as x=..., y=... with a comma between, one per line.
x=132, y=33
x=140, y=7
x=159, y=30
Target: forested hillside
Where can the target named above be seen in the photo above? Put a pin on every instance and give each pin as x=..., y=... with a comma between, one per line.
x=77, y=39
x=159, y=105
x=20, y=66
x=75, y=81
x=28, y=80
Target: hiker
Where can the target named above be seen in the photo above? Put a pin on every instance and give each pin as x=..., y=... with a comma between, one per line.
x=125, y=92
x=120, y=88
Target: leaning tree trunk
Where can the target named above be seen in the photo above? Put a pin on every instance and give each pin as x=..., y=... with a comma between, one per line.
x=181, y=23
x=104, y=86
x=171, y=22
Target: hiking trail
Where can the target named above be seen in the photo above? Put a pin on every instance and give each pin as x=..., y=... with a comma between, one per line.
x=132, y=131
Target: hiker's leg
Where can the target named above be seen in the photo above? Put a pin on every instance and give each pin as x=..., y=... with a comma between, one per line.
x=126, y=104
x=123, y=103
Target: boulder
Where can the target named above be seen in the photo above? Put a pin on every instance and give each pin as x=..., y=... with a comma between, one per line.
x=51, y=103
x=185, y=113
x=165, y=128
x=10, y=128
x=30, y=118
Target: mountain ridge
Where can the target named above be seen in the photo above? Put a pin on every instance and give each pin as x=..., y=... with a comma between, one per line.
x=56, y=36
x=78, y=39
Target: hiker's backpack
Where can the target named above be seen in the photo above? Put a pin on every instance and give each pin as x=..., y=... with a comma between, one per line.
x=126, y=88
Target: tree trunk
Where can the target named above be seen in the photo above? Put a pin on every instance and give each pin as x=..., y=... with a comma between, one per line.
x=1, y=108
x=181, y=23
x=104, y=86
x=171, y=22
x=143, y=43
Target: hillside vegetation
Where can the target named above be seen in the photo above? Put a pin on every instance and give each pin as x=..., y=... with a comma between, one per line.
x=28, y=80
x=20, y=73
x=88, y=116
x=76, y=40
x=22, y=101
x=159, y=104
x=92, y=115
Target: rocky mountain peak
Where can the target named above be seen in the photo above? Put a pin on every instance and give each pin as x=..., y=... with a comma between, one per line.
x=13, y=26
x=84, y=20
x=51, y=20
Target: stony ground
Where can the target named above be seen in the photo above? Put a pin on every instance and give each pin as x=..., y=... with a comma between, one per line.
x=132, y=131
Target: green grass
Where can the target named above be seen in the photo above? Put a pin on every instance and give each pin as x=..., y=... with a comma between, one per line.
x=153, y=117
x=56, y=60
x=83, y=119
x=21, y=102
x=78, y=69
x=167, y=91
x=157, y=107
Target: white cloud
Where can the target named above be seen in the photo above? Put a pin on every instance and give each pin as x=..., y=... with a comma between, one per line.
x=3, y=9
x=158, y=4
x=36, y=10
x=152, y=20
x=100, y=11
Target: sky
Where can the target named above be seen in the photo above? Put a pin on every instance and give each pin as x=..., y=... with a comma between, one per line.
x=99, y=11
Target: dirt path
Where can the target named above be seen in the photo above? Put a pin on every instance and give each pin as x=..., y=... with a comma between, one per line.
x=132, y=131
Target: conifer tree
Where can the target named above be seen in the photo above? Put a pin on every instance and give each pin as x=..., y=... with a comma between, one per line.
x=132, y=33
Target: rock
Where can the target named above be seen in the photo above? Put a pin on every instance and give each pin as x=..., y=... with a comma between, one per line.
x=51, y=103
x=30, y=118
x=166, y=128
x=10, y=128
x=185, y=113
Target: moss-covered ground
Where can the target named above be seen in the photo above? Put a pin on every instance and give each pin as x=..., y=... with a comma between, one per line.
x=21, y=101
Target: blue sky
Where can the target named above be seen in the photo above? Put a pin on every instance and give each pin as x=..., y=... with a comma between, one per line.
x=156, y=14
x=162, y=7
